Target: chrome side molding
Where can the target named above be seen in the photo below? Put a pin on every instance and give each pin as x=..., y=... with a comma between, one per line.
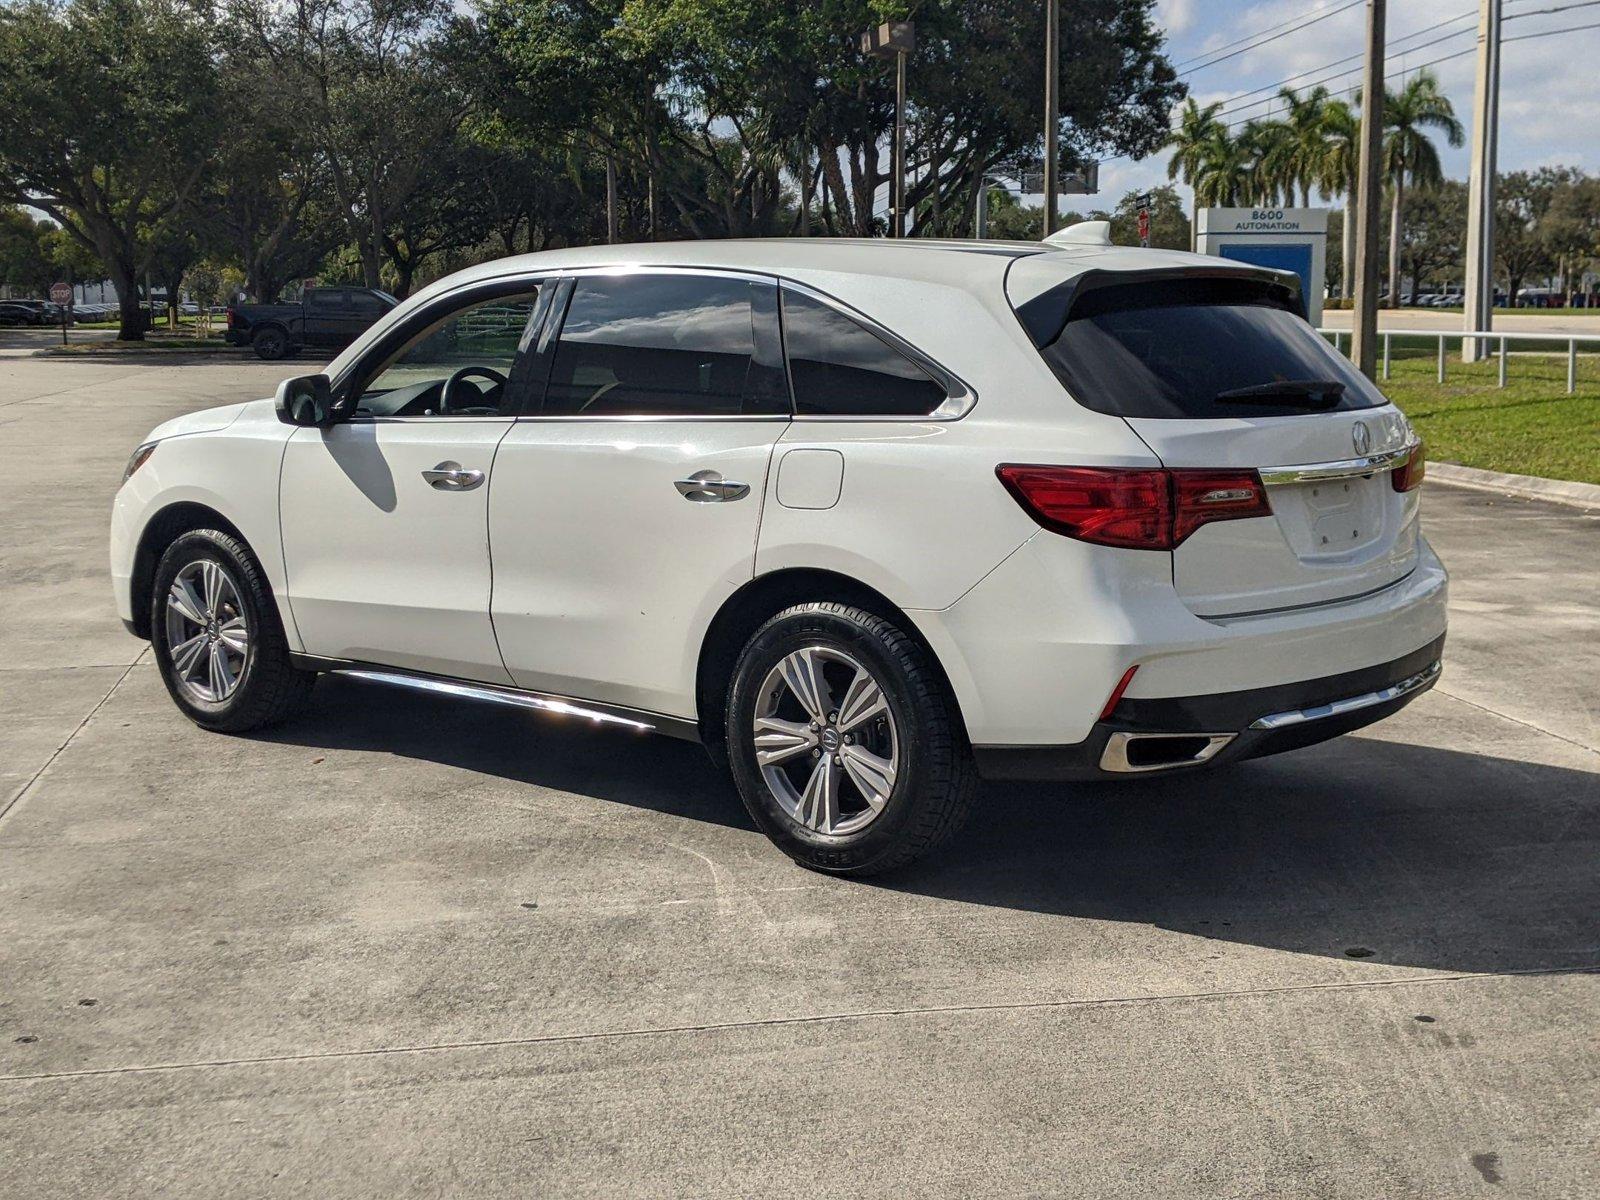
x=613, y=715
x=1422, y=680
x=1347, y=468
x=1115, y=756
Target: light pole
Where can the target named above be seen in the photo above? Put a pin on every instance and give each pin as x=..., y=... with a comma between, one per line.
x=1052, y=109
x=1369, y=197
x=980, y=215
x=896, y=40
x=1479, y=301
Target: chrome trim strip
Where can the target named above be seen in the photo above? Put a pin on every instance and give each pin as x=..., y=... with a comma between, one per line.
x=1422, y=680
x=1115, y=756
x=600, y=714
x=1347, y=468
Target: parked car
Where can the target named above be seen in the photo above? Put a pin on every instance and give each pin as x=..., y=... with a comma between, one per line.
x=326, y=318
x=17, y=314
x=34, y=312
x=867, y=519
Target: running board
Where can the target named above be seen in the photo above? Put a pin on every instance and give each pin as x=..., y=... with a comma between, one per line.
x=614, y=715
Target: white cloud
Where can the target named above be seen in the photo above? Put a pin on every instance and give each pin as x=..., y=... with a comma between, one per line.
x=1547, y=83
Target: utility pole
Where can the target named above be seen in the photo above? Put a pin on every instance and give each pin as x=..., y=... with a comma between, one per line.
x=1052, y=110
x=1479, y=314
x=1369, y=198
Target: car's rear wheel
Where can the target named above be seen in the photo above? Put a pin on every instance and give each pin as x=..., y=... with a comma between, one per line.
x=270, y=343
x=845, y=742
x=217, y=638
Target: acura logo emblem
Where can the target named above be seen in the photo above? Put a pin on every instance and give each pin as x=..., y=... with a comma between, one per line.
x=1362, y=437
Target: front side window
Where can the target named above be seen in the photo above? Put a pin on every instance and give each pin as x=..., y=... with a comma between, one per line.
x=459, y=365
x=650, y=345
x=841, y=368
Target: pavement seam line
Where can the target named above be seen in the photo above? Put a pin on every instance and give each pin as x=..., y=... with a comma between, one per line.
x=815, y=1019
x=77, y=729
x=1560, y=737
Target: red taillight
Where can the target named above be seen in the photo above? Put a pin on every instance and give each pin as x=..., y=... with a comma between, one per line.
x=1408, y=475
x=1200, y=497
x=230, y=316
x=1133, y=507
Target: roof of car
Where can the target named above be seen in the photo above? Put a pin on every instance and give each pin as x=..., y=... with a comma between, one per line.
x=948, y=261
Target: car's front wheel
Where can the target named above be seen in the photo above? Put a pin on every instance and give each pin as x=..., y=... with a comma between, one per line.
x=844, y=741
x=217, y=637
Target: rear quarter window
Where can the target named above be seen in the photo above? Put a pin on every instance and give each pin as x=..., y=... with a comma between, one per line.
x=1173, y=349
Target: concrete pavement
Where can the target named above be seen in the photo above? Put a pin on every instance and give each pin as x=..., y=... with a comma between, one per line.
x=1521, y=320
x=404, y=946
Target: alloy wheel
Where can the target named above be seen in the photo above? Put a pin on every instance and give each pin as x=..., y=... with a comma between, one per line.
x=825, y=740
x=208, y=637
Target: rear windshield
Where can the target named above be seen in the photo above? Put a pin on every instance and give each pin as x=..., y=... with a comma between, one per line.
x=1172, y=349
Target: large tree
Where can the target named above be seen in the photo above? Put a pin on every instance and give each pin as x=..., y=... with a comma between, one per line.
x=1409, y=154
x=370, y=85
x=1193, y=143
x=732, y=110
x=1433, y=239
x=108, y=117
x=1522, y=199
x=1338, y=175
x=25, y=266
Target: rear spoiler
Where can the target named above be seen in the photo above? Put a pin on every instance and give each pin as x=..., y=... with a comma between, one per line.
x=1046, y=314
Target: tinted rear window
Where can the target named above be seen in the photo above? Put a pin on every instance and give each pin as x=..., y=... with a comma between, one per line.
x=1168, y=349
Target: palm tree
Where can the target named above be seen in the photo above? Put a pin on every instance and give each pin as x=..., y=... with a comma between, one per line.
x=1408, y=153
x=1301, y=141
x=1265, y=146
x=1192, y=142
x=1223, y=177
x=1337, y=175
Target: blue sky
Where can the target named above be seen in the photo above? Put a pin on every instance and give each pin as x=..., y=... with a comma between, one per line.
x=1550, y=86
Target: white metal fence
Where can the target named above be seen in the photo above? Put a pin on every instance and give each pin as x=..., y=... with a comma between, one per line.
x=1589, y=343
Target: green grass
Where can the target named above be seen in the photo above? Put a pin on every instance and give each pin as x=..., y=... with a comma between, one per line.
x=1529, y=427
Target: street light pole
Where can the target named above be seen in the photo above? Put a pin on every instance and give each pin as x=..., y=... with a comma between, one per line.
x=895, y=39
x=1479, y=300
x=1052, y=109
x=1369, y=198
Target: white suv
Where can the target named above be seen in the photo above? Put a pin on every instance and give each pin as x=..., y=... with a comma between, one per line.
x=868, y=519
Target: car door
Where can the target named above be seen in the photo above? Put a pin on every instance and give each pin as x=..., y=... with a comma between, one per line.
x=624, y=511
x=385, y=514
x=325, y=315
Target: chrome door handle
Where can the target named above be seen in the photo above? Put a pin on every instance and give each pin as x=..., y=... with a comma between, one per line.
x=709, y=487
x=451, y=476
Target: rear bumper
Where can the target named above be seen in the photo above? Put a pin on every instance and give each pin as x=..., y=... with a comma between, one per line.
x=237, y=337
x=1255, y=722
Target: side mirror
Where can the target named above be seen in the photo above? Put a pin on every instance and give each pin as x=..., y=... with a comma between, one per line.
x=306, y=400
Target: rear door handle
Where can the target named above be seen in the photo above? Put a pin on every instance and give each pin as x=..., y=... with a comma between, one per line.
x=709, y=487
x=451, y=476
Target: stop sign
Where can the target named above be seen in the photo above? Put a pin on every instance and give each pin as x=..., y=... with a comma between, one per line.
x=60, y=293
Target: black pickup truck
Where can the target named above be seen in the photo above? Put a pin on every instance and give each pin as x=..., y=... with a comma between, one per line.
x=325, y=317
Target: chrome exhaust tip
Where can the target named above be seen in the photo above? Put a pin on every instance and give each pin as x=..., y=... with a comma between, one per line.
x=1127, y=753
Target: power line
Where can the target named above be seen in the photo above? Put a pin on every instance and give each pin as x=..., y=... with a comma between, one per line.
x=1321, y=16
x=1228, y=45
x=1230, y=107
x=1403, y=71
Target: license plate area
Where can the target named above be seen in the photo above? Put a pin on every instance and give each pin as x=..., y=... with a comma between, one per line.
x=1330, y=518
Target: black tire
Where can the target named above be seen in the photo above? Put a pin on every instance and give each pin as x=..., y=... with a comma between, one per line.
x=936, y=780
x=271, y=343
x=269, y=688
